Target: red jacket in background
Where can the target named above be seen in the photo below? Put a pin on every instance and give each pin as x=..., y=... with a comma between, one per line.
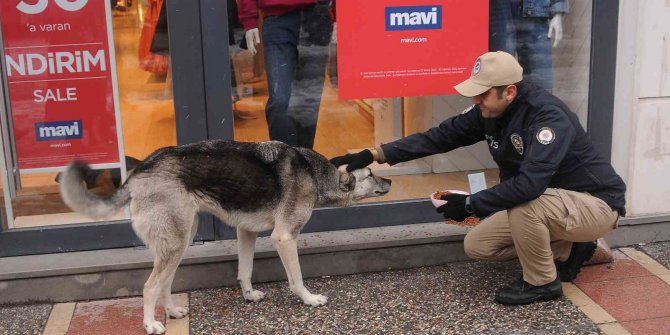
x=248, y=9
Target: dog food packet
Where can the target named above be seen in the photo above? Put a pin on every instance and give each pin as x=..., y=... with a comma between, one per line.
x=441, y=195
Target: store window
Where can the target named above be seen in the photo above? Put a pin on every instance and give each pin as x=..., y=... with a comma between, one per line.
x=116, y=116
x=559, y=64
x=308, y=93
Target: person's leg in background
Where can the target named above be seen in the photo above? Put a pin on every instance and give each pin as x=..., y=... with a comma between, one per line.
x=280, y=44
x=315, y=36
x=501, y=26
x=534, y=49
x=233, y=24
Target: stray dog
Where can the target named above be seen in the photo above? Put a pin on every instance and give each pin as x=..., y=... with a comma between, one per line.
x=251, y=186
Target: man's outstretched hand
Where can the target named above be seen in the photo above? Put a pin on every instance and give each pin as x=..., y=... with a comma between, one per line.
x=454, y=209
x=354, y=161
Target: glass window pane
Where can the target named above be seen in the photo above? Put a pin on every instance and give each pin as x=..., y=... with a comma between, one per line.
x=301, y=102
x=559, y=64
x=145, y=106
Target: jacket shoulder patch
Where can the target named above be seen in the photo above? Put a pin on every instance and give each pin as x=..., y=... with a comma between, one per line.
x=545, y=135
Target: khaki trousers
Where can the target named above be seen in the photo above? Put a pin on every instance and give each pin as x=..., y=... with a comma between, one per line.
x=541, y=231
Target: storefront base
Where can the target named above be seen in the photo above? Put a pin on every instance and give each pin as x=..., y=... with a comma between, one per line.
x=122, y=272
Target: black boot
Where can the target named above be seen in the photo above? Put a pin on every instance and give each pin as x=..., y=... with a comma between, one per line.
x=521, y=293
x=580, y=253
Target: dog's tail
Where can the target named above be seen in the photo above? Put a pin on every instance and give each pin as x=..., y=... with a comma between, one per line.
x=81, y=200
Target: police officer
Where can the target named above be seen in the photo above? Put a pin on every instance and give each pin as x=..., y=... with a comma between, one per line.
x=556, y=195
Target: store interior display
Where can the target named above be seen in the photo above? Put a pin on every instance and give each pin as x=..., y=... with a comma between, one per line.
x=148, y=122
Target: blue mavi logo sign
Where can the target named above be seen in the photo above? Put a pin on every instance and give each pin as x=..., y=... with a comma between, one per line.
x=414, y=17
x=60, y=130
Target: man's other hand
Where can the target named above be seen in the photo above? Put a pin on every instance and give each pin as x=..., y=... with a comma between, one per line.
x=454, y=209
x=354, y=161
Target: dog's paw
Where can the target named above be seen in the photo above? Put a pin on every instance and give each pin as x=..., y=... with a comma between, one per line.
x=315, y=300
x=177, y=312
x=154, y=327
x=253, y=296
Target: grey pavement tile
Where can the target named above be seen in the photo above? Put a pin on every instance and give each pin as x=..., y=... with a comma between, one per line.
x=660, y=251
x=481, y=279
x=452, y=299
x=24, y=320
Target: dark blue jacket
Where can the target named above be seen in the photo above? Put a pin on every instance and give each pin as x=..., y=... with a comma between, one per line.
x=537, y=143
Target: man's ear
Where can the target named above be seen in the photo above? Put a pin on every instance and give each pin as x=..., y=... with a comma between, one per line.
x=512, y=91
x=347, y=181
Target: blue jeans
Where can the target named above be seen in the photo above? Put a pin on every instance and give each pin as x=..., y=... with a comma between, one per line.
x=296, y=51
x=525, y=37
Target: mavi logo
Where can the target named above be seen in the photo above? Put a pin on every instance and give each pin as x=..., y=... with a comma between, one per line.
x=414, y=17
x=60, y=130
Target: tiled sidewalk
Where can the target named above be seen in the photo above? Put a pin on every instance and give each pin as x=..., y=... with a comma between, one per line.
x=629, y=296
x=633, y=294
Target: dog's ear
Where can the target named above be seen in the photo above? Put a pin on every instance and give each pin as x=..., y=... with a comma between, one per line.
x=347, y=181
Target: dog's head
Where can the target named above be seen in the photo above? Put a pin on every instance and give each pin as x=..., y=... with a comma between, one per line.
x=362, y=183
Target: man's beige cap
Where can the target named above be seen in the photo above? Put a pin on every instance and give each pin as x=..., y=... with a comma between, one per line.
x=491, y=69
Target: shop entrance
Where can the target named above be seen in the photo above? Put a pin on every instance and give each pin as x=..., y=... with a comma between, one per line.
x=183, y=76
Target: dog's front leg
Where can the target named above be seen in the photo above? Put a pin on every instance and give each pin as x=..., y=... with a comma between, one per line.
x=288, y=252
x=246, y=241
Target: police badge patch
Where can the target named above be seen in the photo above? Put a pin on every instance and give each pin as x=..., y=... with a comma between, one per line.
x=517, y=142
x=545, y=135
x=477, y=67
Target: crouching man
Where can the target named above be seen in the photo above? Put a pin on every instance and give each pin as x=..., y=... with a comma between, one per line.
x=557, y=195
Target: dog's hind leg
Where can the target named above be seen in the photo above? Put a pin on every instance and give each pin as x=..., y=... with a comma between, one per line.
x=287, y=247
x=168, y=246
x=246, y=241
x=177, y=312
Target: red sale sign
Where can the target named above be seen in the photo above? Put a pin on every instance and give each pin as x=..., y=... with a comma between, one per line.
x=60, y=71
x=407, y=47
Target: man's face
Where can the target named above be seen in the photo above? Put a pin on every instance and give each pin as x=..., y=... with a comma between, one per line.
x=492, y=104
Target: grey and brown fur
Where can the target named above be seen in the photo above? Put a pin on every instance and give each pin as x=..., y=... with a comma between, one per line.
x=251, y=186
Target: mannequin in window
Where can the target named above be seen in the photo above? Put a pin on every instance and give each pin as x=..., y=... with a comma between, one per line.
x=525, y=28
x=233, y=24
x=296, y=34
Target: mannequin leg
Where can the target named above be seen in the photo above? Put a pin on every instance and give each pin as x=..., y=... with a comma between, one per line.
x=534, y=50
x=501, y=26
